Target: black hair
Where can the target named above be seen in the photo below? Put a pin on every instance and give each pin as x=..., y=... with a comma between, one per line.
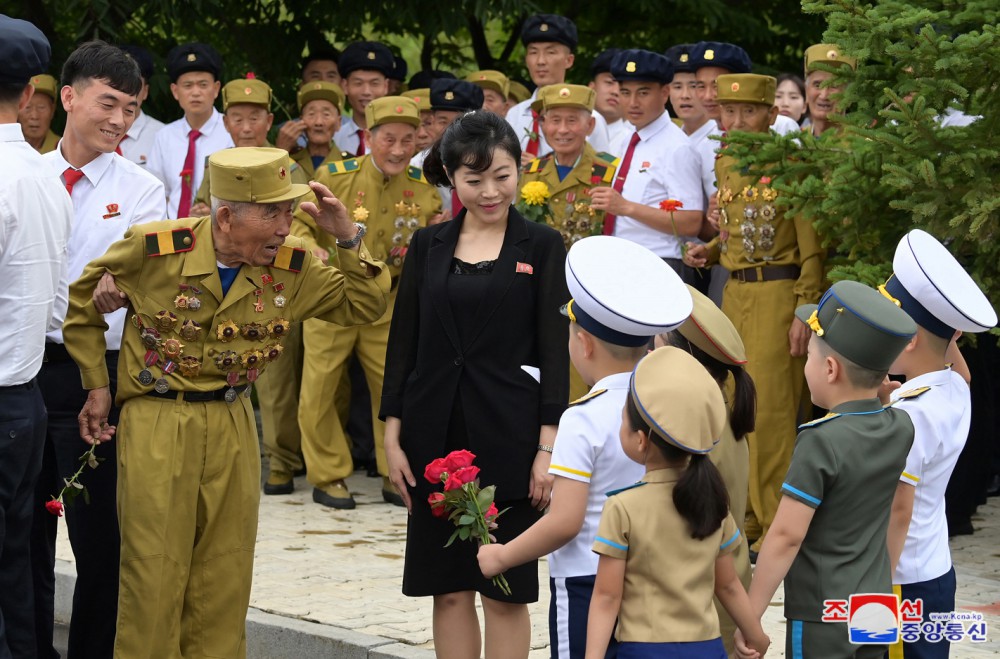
x=10, y=92
x=799, y=83
x=743, y=416
x=700, y=495
x=325, y=54
x=469, y=142
x=97, y=60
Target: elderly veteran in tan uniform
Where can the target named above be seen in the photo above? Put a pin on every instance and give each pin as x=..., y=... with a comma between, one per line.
x=391, y=199
x=425, y=131
x=776, y=263
x=819, y=93
x=210, y=300
x=495, y=86
x=36, y=117
x=320, y=107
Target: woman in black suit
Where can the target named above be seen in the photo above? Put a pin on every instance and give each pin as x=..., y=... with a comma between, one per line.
x=478, y=300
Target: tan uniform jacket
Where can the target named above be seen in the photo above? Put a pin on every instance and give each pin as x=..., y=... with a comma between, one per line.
x=50, y=143
x=302, y=166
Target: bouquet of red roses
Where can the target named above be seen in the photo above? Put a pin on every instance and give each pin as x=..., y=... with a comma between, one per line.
x=470, y=508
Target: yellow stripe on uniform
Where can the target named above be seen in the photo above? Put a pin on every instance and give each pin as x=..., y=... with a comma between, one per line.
x=911, y=477
x=568, y=470
x=283, y=258
x=165, y=240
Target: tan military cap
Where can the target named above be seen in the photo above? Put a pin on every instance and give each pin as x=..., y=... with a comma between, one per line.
x=827, y=53
x=421, y=96
x=45, y=84
x=392, y=109
x=518, y=91
x=746, y=88
x=326, y=91
x=259, y=175
x=490, y=79
x=712, y=331
x=564, y=96
x=246, y=90
x=679, y=400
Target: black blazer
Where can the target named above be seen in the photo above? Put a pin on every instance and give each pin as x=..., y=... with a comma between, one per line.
x=517, y=324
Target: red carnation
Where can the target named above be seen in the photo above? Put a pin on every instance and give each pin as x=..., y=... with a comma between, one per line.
x=670, y=205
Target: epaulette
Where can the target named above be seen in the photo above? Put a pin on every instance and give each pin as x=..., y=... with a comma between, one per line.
x=289, y=258
x=346, y=155
x=812, y=424
x=343, y=166
x=591, y=396
x=622, y=489
x=536, y=165
x=910, y=394
x=171, y=241
x=416, y=174
x=605, y=167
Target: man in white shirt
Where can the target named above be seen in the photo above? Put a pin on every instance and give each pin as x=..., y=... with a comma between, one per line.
x=607, y=103
x=138, y=141
x=100, y=88
x=35, y=218
x=658, y=164
x=549, y=41
x=182, y=147
x=365, y=67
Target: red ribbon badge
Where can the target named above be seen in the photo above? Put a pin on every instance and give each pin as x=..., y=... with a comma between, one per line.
x=525, y=268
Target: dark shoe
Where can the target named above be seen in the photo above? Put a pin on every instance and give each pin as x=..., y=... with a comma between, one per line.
x=993, y=489
x=279, y=482
x=389, y=493
x=334, y=495
x=753, y=557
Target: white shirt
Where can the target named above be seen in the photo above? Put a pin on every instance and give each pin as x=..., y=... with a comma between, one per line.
x=35, y=219
x=941, y=418
x=588, y=450
x=113, y=194
x=138, y=142
x=519, y=117
x=956, y=118
x=347, y=137
x=784, y=125
x=664, y=166
x=706, y=147
x=618, y=131
x=170, y=150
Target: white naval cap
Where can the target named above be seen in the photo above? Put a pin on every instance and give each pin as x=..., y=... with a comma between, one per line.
x=622, y=292
x=935, y=290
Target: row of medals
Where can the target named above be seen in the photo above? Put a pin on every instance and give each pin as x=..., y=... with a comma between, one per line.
x=755, y=236
x=162, y=347
x=405, y=226
x=579, y=220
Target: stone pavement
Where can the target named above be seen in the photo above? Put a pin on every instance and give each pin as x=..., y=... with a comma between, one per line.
x=327, y=583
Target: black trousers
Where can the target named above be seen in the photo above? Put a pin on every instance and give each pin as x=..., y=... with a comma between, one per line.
x=93, y=527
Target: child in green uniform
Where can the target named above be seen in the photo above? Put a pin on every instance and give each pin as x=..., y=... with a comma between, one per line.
x=666, y=543
x=828, y=540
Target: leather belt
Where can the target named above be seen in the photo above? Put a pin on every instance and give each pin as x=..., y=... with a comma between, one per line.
x=767, y=273
x=197, y=396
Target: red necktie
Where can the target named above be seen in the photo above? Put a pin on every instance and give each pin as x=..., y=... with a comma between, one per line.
x=609, y=219
x=187, y=176
x=118, y=149
x=533, y=140
x=71, y=176
x=361, y=143
x=456, y=204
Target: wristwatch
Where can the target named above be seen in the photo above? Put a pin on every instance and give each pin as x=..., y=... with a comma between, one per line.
x=353, y=242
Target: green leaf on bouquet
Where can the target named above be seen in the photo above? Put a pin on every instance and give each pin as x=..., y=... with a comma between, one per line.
x=466, y=519
x=452, y=538
x=464, y=532
x=485, y=497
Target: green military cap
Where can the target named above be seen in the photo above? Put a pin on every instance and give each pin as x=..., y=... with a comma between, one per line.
x=259, y=175
x=246, y=90
x=422, y=97
x=327, y=91
x=860, y=324
x=746, y=88
x=392, y=109
x=490, y=79
x=564, y=96
x=827, y=53
x=45, y=84
x=712, y=331
x=679, y=400
x=518, y=91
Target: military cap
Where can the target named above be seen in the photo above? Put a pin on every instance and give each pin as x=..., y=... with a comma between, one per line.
x=259, y=175
x=422, y=97
x=628, y=304
x=549, y=28
x=24, y=51
x=246, y=90
x=518, y=91
x=827, y=53
x=313, y=91
x=723, y=55
x=45, y=84
x=456, y=95
x=930, y=285
x=602, y=63
x=143, y=58
x=367, y=56
x=489, y=79
x=392, y=110
x=642, y=66
x=712, y=331
x=423, y=79
x=564, y=96
x=746, y=88
x=193, y=57
x=680, y=401
x=860, y=324
x=399, y=69
x=680, y=57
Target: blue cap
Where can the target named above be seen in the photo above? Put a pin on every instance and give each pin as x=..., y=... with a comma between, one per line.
x=549, y=28
x=189, y=57
x=423, y=79
x=24, y=51
x=680, y=57
x=457, y=95
x=401, y=69
x=724, y=55
x=367, y=56
x=642, y=66
x=602, y=63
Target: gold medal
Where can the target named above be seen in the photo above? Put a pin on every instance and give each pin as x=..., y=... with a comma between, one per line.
x=277, y=327
x=190, y=366
x=173, y=348
x=253, y=331
x=190, y=330
x=227, y=331
x=165, y=320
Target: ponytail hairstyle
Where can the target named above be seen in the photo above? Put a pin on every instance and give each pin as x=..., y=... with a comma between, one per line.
x=742, y=417
x=470, y=142
x=700, y=495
